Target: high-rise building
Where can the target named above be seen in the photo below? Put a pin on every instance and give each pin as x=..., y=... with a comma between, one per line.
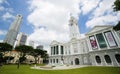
x=21, y=40
x=11, y=36
x=31, y=43
x=39, y=47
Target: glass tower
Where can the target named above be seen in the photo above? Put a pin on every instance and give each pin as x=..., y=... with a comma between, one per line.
x=11, y=36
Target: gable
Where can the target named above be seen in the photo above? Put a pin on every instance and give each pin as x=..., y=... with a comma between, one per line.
x=99, y=28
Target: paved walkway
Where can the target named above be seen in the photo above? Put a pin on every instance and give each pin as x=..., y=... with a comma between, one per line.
x=63, y=67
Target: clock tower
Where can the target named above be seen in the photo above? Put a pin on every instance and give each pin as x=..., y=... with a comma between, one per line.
x=73, y=28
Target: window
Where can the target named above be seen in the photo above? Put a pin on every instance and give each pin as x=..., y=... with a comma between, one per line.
x=53, y=60
x=101, y=40
x=54, y=50
x=93, y=42
x=75, y=47
x=110, y=39
x=117, y=56
x=57, y=51
x=62, y=52
x=56, y=60
x=98, y=60
x=107, y=59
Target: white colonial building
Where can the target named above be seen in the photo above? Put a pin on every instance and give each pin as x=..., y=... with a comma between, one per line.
x=99, y=47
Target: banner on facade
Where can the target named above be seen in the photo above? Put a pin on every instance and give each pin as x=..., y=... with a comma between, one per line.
x=93, y=42
x=110, y=39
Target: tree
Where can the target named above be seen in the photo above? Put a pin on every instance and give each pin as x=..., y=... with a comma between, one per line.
x=39, y=52
x=45, y=56
x=3, y=48
x=116, y=5
x=117, y=8
x=117, y=27
x=36, y=53
x=7, y=57
x=23, y=49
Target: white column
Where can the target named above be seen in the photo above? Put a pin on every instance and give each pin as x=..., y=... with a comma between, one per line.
x=97, y=42
x=106, y=41
x=59, y=50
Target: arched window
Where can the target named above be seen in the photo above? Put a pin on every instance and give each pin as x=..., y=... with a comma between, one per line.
x=53, y=60
x=98, y=60
x=117, y=56
x=56, y=60
x=50, y=60
x=107, y=59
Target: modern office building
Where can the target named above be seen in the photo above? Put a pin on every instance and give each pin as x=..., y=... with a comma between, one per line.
x=31, y=43
x=99, y=47
x=21, y=40
x=12, y=33
x=39, y=47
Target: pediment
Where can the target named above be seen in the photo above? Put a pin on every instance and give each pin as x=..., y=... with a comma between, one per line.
x=54, y=42
x=98, y=28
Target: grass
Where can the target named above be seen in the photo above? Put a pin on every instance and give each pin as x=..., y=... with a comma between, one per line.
x=25, y=69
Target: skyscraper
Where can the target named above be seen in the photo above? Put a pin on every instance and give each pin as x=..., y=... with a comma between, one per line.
x=39, y=47
x=31, y=43
x=13, y=31
x=21, y=40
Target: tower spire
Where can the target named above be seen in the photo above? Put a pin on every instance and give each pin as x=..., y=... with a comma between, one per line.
x=73, y=27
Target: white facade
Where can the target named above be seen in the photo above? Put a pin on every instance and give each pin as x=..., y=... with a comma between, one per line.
x=99, y=47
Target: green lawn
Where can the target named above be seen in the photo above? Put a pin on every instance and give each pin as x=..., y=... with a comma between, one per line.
x=25, y=69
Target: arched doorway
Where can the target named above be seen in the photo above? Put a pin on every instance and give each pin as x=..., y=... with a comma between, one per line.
x=76, y=61
x=98, y=60
x=108, y=59
x=117, y=56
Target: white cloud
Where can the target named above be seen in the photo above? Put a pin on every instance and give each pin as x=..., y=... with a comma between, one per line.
x=2, y=32
x=1, y=40
x=7, y=16
x=50, y=19
x=102, y=20
x=88, y=5
x=103, y=15
x=1, y=8
x=1, y=1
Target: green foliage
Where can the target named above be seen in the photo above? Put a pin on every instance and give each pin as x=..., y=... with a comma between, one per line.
x=7, y=58
x=117, y=5
x=39, y=52
x=1, y=57
x=22, y=59
x=24, y=49
x=5, y=47
x=117, y=27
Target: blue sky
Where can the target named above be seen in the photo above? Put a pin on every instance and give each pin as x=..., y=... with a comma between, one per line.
x=47, y=20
